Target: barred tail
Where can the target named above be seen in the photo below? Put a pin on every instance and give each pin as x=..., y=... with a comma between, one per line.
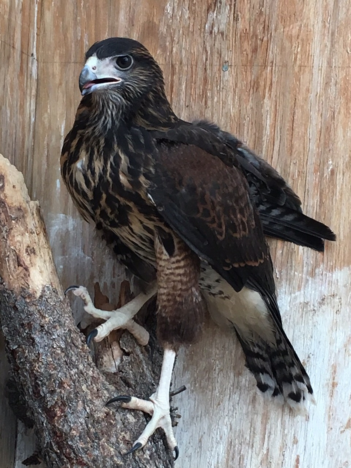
x=277, y=368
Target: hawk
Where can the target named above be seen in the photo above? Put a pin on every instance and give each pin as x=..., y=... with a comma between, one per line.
x=186, y=207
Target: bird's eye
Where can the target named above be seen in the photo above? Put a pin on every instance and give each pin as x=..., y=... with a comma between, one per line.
x=124, y=62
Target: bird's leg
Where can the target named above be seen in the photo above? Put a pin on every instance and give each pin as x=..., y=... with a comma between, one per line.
x=157, y=406
x=115, y=319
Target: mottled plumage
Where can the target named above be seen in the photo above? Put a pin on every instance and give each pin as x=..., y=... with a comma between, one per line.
x=187, y=205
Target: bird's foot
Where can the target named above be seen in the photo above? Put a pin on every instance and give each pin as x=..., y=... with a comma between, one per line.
x=159, y=410
x=121, y=318
x=157, y=406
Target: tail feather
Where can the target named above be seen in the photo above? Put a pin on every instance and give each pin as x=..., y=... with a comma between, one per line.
x=277, y=368
x=298, y=238
x=294, y=226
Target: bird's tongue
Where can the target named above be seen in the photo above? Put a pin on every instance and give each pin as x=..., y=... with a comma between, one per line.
x=100, y=81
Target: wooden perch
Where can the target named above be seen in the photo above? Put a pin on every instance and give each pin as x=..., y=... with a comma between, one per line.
x=51, y=364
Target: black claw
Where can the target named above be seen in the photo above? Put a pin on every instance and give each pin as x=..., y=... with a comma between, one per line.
x=123, y=398
x=91, y=336
x=176, y=452
x=177, y=391
x=135, y=447
x=71, y=288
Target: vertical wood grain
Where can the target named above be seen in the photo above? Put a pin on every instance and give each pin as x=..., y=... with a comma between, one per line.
x=18, y=80
x=276, y=74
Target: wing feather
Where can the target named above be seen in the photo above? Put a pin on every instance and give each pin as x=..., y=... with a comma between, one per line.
x=278, y=205
x=207, y=203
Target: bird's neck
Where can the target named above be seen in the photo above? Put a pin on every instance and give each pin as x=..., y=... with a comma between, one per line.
x=99, y=111
x=154, y=112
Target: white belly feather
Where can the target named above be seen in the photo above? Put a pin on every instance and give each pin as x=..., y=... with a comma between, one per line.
x=246, y=310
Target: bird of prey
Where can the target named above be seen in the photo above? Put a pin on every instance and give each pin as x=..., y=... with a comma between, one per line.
x=187, y=207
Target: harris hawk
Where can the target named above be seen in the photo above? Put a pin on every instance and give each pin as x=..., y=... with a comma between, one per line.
x=187, y=207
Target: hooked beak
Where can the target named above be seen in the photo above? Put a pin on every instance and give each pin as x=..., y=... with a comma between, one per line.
x=89, y=81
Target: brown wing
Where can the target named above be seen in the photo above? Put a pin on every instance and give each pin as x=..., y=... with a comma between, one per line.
x=207, y=203
x=278, y=205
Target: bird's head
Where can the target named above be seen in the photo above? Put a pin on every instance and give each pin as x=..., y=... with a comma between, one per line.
x=122, y=70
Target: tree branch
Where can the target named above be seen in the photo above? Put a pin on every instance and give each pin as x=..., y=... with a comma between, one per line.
x=51, y=363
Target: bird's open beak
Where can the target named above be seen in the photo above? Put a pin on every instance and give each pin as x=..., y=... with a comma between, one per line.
x=89, y=81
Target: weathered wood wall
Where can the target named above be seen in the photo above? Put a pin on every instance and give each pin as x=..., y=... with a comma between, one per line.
x=277, y=74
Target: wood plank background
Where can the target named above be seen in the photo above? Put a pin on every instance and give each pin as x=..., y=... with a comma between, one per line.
x=277, y=74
